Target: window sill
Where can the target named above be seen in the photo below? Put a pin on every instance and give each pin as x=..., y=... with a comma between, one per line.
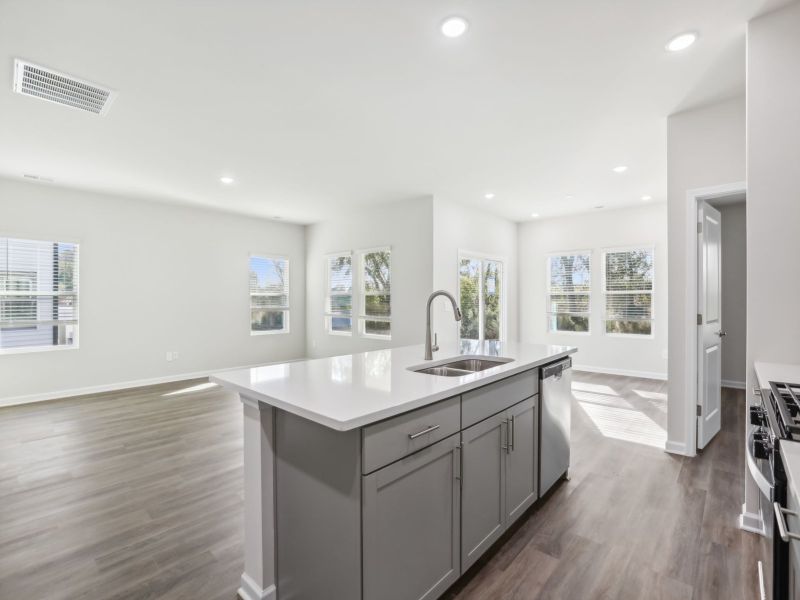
x=558, y=332
x=340, y=333
x=276, y=332
x=635, y=336
x=34, y=349
x=372, y=336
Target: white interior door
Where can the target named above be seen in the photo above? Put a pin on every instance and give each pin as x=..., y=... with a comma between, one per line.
x=709, y=324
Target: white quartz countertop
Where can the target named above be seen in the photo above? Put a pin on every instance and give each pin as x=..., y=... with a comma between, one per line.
x=766, y=372
x=350, y=391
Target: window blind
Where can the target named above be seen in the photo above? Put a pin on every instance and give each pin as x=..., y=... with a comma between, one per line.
x=629, y=291
x=339, y=302
x=569, y=285
x=376, y=297
x=269, y=294
x=38, y=294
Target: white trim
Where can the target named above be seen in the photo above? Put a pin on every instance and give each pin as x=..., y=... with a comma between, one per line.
x=249, y=590
x=675, y=448
x=32, y=349
x=624, y=372
x=693, y=197
x=752, y=522
x=123, y=385
x=736, y=385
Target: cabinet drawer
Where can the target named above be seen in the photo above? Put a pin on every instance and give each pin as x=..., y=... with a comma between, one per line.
x=484, y=402
x=399, y=436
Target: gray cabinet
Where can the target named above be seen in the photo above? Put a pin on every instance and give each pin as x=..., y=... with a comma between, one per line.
x=484, y=487
x=793, y=525
x=411, y=522
x=499, y=476
x=521, y=458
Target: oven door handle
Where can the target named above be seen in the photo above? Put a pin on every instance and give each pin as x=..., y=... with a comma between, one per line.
x=784, y=532
x=761, y=481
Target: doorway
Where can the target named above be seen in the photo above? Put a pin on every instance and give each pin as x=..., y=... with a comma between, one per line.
x=707, y=302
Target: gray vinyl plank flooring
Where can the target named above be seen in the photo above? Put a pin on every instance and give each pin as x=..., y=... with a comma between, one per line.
x=138, y=494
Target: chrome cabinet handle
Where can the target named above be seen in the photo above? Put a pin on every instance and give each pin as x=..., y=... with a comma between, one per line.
x=413, y=436
x=779, y=512
x=762, y=590
x=722, y=334
x=511, y=434
x=457, y=459
x=504, y=446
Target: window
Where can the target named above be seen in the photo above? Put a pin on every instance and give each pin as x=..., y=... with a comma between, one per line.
x=375, y=319
x=480, y=290
x=339, y=303
x=569, y=286
x=38, y=294
x=628, y=286
x=269, y=295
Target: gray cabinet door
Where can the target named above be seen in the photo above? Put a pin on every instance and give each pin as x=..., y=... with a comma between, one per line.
x=483, y=487
x=411, y=523
x=793, y=525
x=521, y=458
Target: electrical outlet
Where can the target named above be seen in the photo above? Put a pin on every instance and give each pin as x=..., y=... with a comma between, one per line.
x=174, y=355
x=169, y=356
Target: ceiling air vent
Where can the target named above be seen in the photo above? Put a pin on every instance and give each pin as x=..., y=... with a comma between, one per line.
x=46, y=84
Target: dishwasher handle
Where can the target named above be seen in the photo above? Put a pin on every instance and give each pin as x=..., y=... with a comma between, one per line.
x=556, y=369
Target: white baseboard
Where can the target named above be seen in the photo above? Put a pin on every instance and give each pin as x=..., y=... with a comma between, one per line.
x=123, y=385
x=730, y=383
x=677, y=448
x=624, y=372
x=250, y=590
x=751, y=521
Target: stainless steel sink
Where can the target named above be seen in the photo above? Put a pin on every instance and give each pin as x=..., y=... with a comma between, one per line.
x=474, y=364
x=445, y=371
x=462, y=366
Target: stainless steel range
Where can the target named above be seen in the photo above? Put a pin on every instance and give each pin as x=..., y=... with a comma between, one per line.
x=777, y=420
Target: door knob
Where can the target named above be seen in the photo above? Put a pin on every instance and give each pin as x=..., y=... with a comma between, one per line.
x=722, y=334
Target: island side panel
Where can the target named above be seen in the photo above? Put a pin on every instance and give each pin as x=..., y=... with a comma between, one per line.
x=318, y=504
x=258, y=579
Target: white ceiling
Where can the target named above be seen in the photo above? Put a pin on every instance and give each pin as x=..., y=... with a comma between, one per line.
x=317, y=107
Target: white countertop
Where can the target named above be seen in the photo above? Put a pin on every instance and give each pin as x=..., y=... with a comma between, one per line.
x=790, y=452
x=766, y=372
x=350, y=391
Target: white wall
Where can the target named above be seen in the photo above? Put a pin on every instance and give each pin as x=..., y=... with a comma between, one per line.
x=153, y=278
x=734, y=293
x=407, y=227
x=705, y=147
x=773, y=181
x=460, y=228
x=646, y=226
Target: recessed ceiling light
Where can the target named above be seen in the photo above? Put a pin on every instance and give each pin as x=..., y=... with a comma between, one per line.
x=454, y=27
x=646, y=198
x=535, y=215
x=599, y=206
x=682, y=41
x=226, y=180
x=489, y=195
x=620, y=169
x=568, y=198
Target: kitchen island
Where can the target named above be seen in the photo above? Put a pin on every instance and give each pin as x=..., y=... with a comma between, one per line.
x=365, y=478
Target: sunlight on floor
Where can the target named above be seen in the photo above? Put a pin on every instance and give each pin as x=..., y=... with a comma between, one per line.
x=651, y=395
x=604, y=399
x=593, y=388
x=625, y=424
x=195, y=388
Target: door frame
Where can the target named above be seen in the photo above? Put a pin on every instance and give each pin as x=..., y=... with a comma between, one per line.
x=693, y=199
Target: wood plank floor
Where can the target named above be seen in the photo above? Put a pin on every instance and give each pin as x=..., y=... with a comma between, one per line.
x=139, y=495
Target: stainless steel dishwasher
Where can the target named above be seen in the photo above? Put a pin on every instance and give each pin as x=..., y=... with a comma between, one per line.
x=556, y=415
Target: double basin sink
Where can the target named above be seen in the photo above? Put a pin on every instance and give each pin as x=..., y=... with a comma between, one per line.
x=461, y=366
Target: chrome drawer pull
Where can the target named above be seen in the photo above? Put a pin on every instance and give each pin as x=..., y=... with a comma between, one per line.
x=413, y=436
x=761, y=587
x=779, y=512
x=512, y=435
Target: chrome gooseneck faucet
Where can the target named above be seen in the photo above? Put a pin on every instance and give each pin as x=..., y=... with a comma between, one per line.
x=431, y=348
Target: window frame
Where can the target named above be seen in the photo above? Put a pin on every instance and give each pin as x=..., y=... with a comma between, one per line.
x=483, y=257
x=327, y=314
x=548, y=292
x=76, y=293
x=637, y=336
x=361, y=315
x=286, y=311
